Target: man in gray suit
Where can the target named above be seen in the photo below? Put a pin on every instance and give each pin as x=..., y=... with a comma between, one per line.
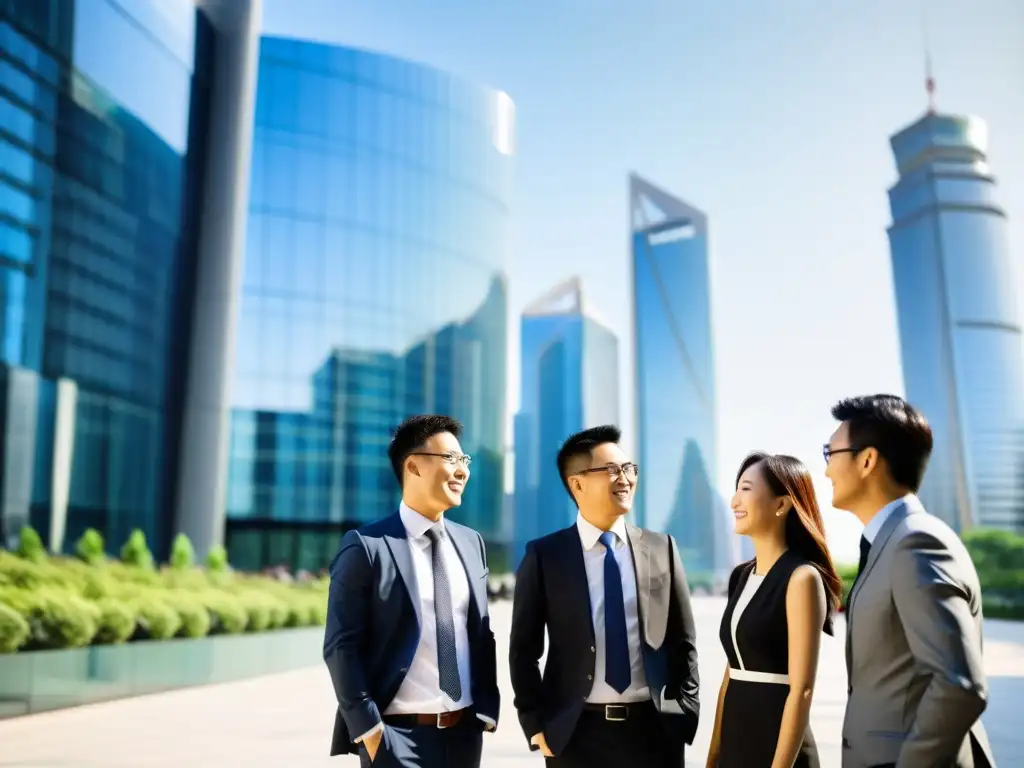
x=913, y=621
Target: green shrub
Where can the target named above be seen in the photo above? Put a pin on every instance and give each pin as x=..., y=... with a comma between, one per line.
x=14, y=630
x=135, y=552
x=90, y=547
x=217, y=559
x=227, y=615
x=195, y=619
x=154, y=618
x=183, y=555
x=56, y=617
x=130, y=574
x=26, y=574
x=189, y=579
x=258, y=608
x=30, y=545
x=66, y=602
x=116, y=622
x=308, y=611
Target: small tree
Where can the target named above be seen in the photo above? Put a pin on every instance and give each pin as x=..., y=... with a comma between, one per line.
x=135, y=551
x=217, y=559
x=90, y=547
x=183, y=554
x=30, y=545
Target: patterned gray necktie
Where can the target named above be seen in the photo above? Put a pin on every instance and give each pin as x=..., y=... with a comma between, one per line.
x=447, y=660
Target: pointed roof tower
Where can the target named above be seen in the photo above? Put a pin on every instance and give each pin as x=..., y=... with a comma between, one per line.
x=653, y=209
x=564, y=299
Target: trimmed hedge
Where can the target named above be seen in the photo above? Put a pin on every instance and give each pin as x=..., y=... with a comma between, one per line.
x=60, y=602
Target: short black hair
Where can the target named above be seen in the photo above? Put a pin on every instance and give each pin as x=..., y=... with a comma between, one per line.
x=893, y=427
x=413, y=433
x=575, y=451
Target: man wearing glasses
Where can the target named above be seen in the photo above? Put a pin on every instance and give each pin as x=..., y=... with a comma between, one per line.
x=917, y=684
x=408, y=641
x=620, y=685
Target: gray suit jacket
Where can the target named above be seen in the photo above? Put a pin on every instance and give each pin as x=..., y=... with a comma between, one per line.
x=913, y=651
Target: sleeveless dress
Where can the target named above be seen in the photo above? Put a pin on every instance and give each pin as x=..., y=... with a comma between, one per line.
x=754, y=633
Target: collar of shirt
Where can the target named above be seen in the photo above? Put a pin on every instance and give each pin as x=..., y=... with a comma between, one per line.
x=590, y=533
x=417, y=525
x=875, y=523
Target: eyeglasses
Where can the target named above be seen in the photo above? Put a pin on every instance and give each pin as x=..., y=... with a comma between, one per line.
x=449, y=458
x=828, y=453
x=630, y=469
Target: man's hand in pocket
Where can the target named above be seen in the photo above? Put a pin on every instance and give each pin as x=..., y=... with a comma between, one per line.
x=372, y=744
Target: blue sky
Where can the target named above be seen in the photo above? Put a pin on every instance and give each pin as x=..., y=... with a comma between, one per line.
x=773, y=118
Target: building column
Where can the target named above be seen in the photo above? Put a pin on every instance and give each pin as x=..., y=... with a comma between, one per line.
x=19, y=409
x=202, y=471
x=64, y=417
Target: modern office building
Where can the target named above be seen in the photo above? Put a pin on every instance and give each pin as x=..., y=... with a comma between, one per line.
x=123, y=137
x=959, y=328
x=373, y=289
x=675, y=377
x=569, y=378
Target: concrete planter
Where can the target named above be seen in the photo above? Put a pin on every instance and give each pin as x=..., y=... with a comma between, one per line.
x=39, y=681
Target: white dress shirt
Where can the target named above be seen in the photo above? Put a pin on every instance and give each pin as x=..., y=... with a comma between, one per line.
x=420, y=691
x=593, y=559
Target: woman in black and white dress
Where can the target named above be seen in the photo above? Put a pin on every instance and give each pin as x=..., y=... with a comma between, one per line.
x=779, y=604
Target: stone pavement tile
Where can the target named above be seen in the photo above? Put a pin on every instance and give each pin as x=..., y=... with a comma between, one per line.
x=285, y=721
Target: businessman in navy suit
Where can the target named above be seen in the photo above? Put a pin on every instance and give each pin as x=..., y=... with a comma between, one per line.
x=408, y=641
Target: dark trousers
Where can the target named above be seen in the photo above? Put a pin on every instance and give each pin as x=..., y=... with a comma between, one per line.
x=637, y=741
x=426, y=746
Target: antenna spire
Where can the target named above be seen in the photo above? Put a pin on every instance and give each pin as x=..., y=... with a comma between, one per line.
x=929, y=82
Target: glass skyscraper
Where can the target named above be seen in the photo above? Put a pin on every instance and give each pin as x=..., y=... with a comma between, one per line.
x=104, y=110
x=373, y=289
x=960, y=333
x=569, y=381
x=675, y=378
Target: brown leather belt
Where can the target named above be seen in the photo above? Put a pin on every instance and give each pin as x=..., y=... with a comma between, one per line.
x=436, y=719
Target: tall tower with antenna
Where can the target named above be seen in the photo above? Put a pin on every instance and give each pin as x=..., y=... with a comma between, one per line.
x=960, y=332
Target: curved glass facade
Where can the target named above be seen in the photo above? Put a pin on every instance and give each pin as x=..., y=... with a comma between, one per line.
x=97, y=115
x=675, y=378
x=373, y=289
x=960, y=334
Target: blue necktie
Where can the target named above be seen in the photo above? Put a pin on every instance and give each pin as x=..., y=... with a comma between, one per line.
x=616, y=645
x=447, y=659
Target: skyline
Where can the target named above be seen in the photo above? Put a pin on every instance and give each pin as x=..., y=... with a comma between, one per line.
x=715, y=105
x=791, y=271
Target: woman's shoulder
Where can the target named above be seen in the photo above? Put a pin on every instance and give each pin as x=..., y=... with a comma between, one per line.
x=800, y=570
x=806, y=586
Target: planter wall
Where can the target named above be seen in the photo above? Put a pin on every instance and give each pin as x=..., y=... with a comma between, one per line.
x=38, y=681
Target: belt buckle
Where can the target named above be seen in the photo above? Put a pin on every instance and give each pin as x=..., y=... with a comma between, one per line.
x=441, y=719
x=609, y=708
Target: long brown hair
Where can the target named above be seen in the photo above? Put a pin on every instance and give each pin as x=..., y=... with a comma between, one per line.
x=805, y=532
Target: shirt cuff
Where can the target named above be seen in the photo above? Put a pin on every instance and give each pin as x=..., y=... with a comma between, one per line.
x=491, y=725
x=670, y=706
x=375, y=729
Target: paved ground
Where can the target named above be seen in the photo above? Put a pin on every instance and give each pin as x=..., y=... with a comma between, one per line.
x=285, y=721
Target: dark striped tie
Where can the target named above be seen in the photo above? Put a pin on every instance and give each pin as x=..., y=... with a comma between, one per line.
x=447, y=659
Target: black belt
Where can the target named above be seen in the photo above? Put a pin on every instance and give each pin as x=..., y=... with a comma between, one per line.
x=438, y=720
x=617, y=713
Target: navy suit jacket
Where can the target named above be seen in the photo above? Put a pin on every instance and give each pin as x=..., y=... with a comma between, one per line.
x=373, y=625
